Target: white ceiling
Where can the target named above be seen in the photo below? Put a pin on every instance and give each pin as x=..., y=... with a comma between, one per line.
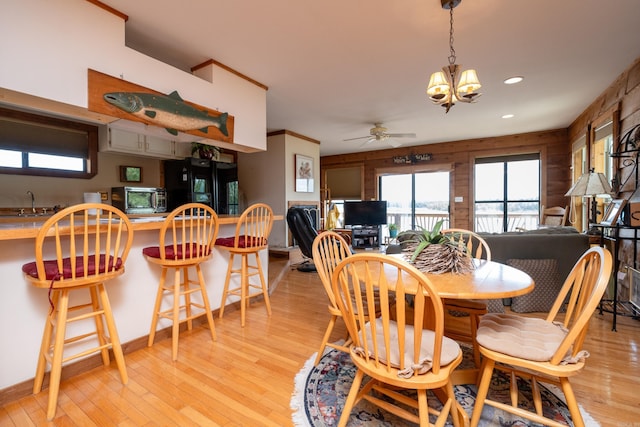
x=336, y=67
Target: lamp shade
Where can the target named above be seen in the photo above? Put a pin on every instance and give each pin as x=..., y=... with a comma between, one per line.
x=469, y=83
x=438, y=86
x=590, y=184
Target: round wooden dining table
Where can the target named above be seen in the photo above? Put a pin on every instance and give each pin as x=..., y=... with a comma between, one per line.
x=488, y=280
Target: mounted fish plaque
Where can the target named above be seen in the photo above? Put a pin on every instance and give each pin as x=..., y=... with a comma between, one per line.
x=126, y=100
x=170, y=112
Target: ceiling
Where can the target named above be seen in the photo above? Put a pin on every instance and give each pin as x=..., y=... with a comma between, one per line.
x=336, y=67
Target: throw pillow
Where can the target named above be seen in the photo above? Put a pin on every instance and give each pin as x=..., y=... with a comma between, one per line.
x=548, y=282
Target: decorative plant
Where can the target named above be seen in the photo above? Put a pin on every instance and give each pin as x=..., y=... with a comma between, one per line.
x=393, y=230
x=205, y=151
x=434, y=252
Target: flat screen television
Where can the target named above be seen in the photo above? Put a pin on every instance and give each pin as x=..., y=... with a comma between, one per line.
x=370, y=212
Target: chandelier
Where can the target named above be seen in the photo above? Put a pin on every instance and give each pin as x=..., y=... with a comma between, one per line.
x=451, y=85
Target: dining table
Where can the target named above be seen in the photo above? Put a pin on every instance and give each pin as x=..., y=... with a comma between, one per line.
x=487, y=280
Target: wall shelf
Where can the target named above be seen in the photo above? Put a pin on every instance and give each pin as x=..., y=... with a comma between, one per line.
x=616, y=234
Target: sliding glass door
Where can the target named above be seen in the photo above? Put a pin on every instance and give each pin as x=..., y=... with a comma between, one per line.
x=416, y=200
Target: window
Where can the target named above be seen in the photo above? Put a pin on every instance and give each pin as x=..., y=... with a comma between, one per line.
x=601, y=160
x=507, y=193
x=37, y=145
x=416, y=200
x=578, y=211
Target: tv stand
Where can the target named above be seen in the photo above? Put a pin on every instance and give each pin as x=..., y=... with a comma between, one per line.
x=365, y=236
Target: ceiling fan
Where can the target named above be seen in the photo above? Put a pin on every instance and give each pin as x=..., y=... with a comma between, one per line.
x=379, y=133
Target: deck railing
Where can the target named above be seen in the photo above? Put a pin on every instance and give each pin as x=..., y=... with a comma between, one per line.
x=484, y=222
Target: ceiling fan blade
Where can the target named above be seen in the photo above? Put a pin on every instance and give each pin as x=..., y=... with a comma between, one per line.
x=401, y=135
x=393, y=143
x=369, y=141
x=360, y=137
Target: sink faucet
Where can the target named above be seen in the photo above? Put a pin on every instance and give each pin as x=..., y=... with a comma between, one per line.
x=33, y=201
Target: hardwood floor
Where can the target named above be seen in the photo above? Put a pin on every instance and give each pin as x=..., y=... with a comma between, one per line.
x=246, y=377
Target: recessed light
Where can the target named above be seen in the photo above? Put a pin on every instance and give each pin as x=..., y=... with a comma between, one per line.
x=507, y=116
x=513, y=80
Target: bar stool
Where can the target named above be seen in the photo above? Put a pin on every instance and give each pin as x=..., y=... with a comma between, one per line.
x=89, y=244
x=186, y=239
x=252, y=232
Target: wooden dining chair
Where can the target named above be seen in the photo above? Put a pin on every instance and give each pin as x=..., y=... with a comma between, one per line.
x=78, y=249
x=396, y=354
x=546, y=350
x=251, y=237
x=186, y=241
x=554, y=216
x=478, y=248
x=329, y=248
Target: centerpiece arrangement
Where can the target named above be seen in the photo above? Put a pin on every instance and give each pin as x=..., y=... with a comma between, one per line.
x=431, y=251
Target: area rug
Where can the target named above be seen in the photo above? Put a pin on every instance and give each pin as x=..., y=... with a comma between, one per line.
x=320, y=393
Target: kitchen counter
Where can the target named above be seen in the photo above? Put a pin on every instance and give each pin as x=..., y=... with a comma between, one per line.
x=23, y=227
x=132, y=295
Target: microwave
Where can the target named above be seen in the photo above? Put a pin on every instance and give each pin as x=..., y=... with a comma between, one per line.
x=139, y=200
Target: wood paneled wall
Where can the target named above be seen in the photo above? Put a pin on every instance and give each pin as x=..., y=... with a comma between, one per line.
x=623, y=96
x=458, y=157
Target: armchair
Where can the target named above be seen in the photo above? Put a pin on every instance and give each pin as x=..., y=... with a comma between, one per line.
x=303, y=232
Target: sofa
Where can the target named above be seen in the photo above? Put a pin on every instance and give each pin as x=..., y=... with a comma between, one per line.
x=546, y=254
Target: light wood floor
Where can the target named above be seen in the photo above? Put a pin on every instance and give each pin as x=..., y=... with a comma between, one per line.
x=246, y=377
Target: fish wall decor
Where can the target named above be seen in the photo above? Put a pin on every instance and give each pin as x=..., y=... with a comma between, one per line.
x=168, y=111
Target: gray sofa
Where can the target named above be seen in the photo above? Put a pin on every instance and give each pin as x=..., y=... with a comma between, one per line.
x=565, y=244
x=546, y=254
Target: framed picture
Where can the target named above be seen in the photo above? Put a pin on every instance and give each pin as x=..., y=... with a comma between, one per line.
x=304, y=174
x=130, y=174
x=612, y=212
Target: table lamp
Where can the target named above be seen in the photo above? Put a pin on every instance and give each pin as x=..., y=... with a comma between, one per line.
x=591, y=184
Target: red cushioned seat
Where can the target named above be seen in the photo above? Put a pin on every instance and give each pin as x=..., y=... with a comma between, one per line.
x=52, y=272
x=243, y=241
x=192, y=250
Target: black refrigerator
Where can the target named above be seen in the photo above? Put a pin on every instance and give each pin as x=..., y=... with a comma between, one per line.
x=202, y=181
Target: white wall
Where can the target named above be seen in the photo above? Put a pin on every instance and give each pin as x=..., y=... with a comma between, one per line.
x=262, y=177
x=49, y=46
x=307, y=148
x=269, y=177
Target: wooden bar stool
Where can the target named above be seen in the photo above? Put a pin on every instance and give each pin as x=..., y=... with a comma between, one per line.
x=85, y=245
x=186, y=239
x=252, y=232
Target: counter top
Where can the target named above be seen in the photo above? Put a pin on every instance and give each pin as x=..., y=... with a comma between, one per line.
x=27, y=227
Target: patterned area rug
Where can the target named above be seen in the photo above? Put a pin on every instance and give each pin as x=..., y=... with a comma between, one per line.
x=321, y=391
